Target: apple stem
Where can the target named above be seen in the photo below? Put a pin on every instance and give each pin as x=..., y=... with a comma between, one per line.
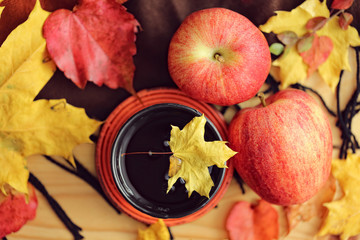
x=218, y=57
x=261, y=95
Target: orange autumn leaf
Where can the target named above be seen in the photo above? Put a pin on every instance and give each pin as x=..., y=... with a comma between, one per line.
x=311, y=208
x=318, y=53
x=246, y=221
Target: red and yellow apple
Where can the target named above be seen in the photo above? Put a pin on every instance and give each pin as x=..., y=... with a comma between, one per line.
x=218, y=56
x=284, y=148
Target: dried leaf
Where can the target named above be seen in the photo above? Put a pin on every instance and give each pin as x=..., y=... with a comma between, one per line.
x=344, y=214
x=345, y=20
x=341, y=4
x=311, y=208
x=196, y=156
x=318, y=53
x=316, y=23
x=157, y=231
x=288, y=38
x=258, y=222
x=87, y=46
x=28, y=127
x=16, y=210
x=292, y=68
x=276, y=48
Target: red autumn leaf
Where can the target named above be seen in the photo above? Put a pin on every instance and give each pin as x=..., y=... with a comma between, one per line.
x=259, y=222
x=319, y=52
x=95, y=43
x=15, y=212
x=345, y=20
x=341, y=4
x=316, y=23
x=14, y=13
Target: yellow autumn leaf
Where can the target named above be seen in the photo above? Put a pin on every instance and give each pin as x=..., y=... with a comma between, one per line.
x=344, y=215
x=196, y=155
x=292, y=68
x=156, y=231
x=28, y=127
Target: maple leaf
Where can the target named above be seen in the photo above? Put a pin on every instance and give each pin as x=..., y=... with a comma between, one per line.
x=344, y=214
x=156, y=231
x=16, y=210
x=292, y=68
x=246, y=221
x=87, y=46
x=195, y=156
x=28, y=127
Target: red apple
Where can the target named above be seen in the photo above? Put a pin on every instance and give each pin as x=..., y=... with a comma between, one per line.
x=284, y=148
x=218, y=56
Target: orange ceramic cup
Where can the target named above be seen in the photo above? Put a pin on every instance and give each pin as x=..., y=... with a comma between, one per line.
x=126, y=188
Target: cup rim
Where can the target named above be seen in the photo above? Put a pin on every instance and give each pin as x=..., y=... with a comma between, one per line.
x=125, y=186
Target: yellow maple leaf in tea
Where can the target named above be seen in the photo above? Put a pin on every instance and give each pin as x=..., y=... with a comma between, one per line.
x=156, y=231
x=292, y=68
x=344, y=215
x=195, y=155
x=28, y=127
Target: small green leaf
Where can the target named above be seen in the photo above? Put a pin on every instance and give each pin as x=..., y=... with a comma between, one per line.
x=276, y=48
x=305, y=43
x=288, y=38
